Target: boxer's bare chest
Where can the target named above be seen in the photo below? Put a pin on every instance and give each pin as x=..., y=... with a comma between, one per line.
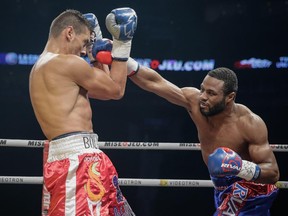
x=224, y=135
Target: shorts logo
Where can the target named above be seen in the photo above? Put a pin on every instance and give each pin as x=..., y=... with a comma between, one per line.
x=95, y=183
x=236, y=201
x=90, y=142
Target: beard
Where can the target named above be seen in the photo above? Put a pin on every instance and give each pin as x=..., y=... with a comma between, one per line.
x=216, y=109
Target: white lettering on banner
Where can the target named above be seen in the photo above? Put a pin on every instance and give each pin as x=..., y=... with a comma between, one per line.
x=184, y=183
x=131, y=144
x=278, y=146
x=284, y=58
x=36, y=143
x=178, y=65
x=11, y=58
x=174, y=65
x=3, y=142
x=11, y=180
x=197, y=145
x=283, y=63
x=129, y=182
x=148, y=62
x=27, y=59
x=253, y=63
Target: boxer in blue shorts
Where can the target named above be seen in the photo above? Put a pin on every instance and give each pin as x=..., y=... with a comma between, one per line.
x=235, y=192
x=234, y=140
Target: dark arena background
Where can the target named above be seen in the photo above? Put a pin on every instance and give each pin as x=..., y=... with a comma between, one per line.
x=180, y=39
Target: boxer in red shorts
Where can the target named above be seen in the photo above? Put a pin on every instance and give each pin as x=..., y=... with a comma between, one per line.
x=93, y=189
x=79, y=179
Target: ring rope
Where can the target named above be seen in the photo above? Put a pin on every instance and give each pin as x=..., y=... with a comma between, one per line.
x=126, y=145
x=130, y=182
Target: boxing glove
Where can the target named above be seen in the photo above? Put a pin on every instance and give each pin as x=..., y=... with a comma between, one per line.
x=101, y=51
x=225, y=162
x=96, y=33
x=122, y=24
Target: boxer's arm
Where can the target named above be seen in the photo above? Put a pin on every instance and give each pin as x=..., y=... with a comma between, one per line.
x=96, y=35
x=98, y=51
x=255, y=131
x=261, y=165
x=121, y=23
x=149, y=80
x=100, y=82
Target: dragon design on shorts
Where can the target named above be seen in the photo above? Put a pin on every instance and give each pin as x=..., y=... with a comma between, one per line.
x=95, y=180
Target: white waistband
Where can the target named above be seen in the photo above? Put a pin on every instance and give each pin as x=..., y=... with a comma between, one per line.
x=75, y=144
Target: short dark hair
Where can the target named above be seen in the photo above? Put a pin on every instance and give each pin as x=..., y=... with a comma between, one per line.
x=228, y=76
x=69, y=17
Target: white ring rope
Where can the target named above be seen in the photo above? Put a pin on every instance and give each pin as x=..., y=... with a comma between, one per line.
x=130, y=182
x=126, y=145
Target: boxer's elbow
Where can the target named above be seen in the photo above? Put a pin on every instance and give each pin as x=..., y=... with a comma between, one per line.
x=276, y=176
x=118, y=96
x=269, y=176
x=274, y=173
x=118, y=93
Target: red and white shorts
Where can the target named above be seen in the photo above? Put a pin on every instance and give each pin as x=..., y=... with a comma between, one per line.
x=80, y=179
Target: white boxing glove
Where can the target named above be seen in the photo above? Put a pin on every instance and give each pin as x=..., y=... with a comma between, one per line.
x=122, y=24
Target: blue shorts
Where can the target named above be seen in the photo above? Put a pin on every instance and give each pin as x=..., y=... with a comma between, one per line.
x=235, y=196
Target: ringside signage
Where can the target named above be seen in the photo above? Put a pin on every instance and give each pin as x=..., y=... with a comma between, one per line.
x=177, y=65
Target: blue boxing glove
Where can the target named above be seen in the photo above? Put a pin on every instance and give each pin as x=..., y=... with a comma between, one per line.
x=96, y=33
x=122, y=24
x=101, y=51
x=225, y=162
